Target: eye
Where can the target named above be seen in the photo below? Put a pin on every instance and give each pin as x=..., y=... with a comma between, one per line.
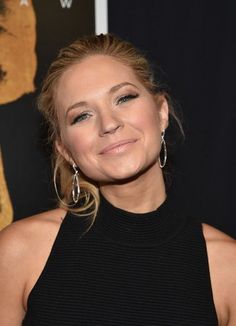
x=81, y=117
x=126, y=98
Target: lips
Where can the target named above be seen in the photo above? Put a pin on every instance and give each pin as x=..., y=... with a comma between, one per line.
x=111, y=148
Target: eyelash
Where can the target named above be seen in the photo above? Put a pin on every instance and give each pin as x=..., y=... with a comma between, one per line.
x=81, y=117
x=85, y=115
x=126, y=98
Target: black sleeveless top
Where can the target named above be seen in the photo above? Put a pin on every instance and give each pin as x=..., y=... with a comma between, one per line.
x=128, y=269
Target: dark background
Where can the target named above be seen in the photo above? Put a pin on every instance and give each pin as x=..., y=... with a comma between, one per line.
x=193, y=43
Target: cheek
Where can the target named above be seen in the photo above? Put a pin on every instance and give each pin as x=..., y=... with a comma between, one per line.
x=147, y=121
x=78, y=144
x=149, y=125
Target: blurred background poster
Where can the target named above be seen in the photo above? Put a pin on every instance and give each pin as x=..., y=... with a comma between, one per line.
x=31, y=32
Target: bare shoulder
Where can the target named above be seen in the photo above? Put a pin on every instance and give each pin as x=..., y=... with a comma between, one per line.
x=221, y=250
x=24, y=249
x=26, y=239
x=214, y=234
x=22, y=234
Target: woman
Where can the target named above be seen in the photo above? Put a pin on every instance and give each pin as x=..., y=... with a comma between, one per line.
x=119, y=250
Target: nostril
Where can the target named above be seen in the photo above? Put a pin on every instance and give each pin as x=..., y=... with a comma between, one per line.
x=112, y=130
x=110, y=126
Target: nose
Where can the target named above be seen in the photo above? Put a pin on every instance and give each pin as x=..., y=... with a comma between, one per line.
x=109, y=123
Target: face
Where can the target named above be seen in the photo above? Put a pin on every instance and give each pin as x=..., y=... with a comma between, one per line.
x=110, y=124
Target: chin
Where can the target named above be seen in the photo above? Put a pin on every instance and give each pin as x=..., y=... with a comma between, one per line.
x=120, y=172
x=125, y=175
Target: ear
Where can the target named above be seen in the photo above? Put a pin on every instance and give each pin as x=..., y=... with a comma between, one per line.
x=63, y=151
x=163, y=111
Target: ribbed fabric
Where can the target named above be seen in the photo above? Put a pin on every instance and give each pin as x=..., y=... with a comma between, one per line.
x=128, y=269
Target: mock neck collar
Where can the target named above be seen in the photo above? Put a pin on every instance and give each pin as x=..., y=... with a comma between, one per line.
x=139, y=229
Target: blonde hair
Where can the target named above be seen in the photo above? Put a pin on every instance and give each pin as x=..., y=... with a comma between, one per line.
x=109, y=45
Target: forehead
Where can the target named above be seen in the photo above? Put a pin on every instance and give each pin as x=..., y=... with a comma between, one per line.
x=98, y=68
x=94, y=74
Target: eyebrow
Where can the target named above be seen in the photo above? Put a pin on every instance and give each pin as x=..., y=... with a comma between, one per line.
x=117, y=87
x=112, y=90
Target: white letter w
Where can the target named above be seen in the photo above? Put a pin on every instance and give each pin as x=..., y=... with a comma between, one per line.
x=66, y=3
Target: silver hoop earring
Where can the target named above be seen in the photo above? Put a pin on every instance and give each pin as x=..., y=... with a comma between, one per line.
x=57, y=192
x=163, y=144
x=75, y=191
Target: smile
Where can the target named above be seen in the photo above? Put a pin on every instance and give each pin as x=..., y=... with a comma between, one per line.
x=118, y=147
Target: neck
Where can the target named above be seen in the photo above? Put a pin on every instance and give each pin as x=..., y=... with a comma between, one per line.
x=142, y=194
